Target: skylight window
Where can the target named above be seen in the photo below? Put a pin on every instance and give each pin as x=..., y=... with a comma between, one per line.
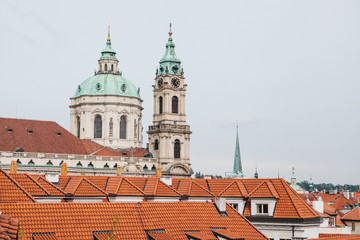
x=29, y=131
x=58, y=133
x=9, y=130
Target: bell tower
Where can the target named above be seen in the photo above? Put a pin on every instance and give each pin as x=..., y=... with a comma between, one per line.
x=169, y=136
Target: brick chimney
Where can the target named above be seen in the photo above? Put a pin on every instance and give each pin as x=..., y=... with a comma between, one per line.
x=13, y=167
x=119, y=170
x=64, y=169
x=158, y=172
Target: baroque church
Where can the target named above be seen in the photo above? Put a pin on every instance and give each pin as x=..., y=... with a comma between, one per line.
x=106, y=126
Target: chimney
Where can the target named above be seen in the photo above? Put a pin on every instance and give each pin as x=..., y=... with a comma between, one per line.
x=64, y=169
x=318, y=205
x=119, y=170
x=346, y=194
x=158, y=172
x=220, y=204
x=13, y=167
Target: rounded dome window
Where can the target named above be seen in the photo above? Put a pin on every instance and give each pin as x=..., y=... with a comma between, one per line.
x=79, y=88
x=98, y=86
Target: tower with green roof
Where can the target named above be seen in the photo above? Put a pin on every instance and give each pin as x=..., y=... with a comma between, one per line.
x=237, y=169
x=106, y=107
x=169, y=135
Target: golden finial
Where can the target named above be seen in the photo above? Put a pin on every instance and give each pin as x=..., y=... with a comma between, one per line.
x=109, y=39
x=170, y=32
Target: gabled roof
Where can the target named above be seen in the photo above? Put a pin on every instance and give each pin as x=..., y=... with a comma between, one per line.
x=341, y=202
x=155, y=187
x=29, y=184
x=353, y=215
x=11, y=191
x=235, y=189
x=80, y=187
x=228, y=234
x=264, y=190
x=49, y=187
x=327, y=197
x=120, y=186
x=105, y=236
x=190, y=188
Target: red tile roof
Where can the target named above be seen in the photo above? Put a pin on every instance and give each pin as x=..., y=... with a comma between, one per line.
x=8, y=227
x=228, y=235
x=29, y=184
x=327, y=197
x=160, y=236
x=235, y=189
x=80, y=187
x=50, y=188
x=44, y=236
x=11, y=191
x=264, y=190
x=78, y=221
x=323, y=236
x=190, y=188
x=353, y=215
x=120, y=186
x=201, y=236
x=341, y=202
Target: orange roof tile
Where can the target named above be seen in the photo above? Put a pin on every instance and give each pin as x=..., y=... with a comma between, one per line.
x=8, y=227
x=341, y=202
x=201, y=236
x=11, y=191
x=337, y=236
x=80, y=187
x=235, y=189
x=327, y=197
x=120, y=186
x=228, y=234
x=29, y=184
x=105, y=236
x=353, y=215
x=160, y=236
x=156, y=187
x=44, y=236
x=78, y=221
x=50, y=188
x=190, y=188
x=264, y=190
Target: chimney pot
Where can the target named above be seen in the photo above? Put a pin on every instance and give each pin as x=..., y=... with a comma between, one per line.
x=13, y=167
x=64, y=169
x=119, y=170
x=158, y=172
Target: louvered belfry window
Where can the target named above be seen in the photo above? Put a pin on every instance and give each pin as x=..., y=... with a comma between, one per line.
x=175, y=104
x=98, y=127
x=78, y=126
x=160, y=105
x=123, y=127
x=177, y=148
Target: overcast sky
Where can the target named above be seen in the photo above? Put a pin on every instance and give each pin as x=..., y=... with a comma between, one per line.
x=286, y=71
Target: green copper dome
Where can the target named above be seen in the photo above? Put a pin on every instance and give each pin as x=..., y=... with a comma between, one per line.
x=108, y=52
x=107, y=84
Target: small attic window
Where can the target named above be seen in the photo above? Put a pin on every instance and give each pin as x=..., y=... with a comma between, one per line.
x=29, y=131
x=98, y=86
x=58, y=133
x=106, y=165
x=79, y=164
x=90, y=164
x=31, y=162
x=9, y=130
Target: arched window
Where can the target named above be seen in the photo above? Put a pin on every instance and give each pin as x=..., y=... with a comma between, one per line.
x=160, y=105
x=156, y=145
x=175, y=103
x=98, y=127
x=105, y=67
x=123, y=127
x=177, y=148
x=112, y=67
x=78, y=126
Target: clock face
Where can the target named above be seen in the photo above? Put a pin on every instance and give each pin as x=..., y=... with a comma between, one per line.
x=160, y=83
x=175, y=82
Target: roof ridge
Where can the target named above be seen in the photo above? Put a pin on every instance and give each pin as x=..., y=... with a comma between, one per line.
x=352, y=212
x=227, y=187
x=272, y=189
x=118, y=185
x=239, y=182
x=91, y=185
x=164, y=184
x=37, y=184
x=133, y=185
x=255, y=189
x=17, y=184
x=292, y=201
x=78, y=184
x=203, y=188
x=51, y=184
x=156, y=185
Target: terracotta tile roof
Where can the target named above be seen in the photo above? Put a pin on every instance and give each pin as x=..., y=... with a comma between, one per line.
x=80, y=187
x=327, y=197
x=8, y=227
x=63, y=181
x=307, y=196
x=264, y=190
x=201, y=236
x=235, y=189
x=46, y=137
x=100, y=181
x=29, y=184
x=190, y=188
x=336, y=236
x=228, y=234
x=105, y=151
x=78, y=221
x=50, y=188
x=341, y=202
x=329, y=209
x=160, y=236
x=11, y=191
x=44, y=236
x=120, y=186
x=105, y=236
x=352, y=215
x=156, y=187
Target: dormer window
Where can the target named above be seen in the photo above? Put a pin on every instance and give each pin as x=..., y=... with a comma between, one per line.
x=30, y=131
x=262, y=208
x=58, y=133
x=9, y=130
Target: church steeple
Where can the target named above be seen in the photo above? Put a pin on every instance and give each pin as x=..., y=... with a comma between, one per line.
x=237, y=170
x=170, y=63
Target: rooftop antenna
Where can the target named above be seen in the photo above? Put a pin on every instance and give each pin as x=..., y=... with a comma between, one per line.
x=109, y=39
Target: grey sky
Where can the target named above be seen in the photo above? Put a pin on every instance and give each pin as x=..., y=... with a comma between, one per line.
x=286, y=71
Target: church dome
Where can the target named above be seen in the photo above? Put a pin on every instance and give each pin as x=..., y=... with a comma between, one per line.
x=107, y=84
